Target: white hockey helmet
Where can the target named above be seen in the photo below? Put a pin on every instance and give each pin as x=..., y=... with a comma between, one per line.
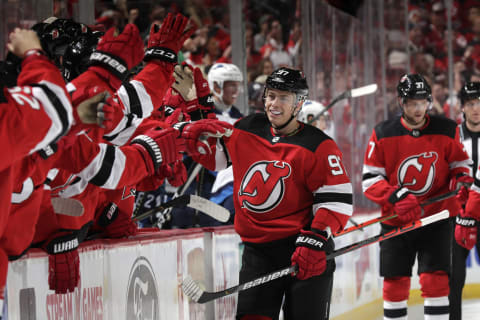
x=221, y=72
x=309, y=110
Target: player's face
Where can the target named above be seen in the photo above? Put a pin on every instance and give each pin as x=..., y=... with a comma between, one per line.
x=279, y=106
x=414, y=111
x=231, y=90
x=472, y=111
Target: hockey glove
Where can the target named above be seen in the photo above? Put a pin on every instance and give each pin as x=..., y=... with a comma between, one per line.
x=117, y=54
x=183, y=83
x=466, y=230
x=197, y=134
x=205, y=97
x=310, y=255
x=63, y=262
x=164, y=42
x=159, y=146
x=109, y=114
x=115, y=223
x=461, y=182
x=176, y=174
x=405, y=205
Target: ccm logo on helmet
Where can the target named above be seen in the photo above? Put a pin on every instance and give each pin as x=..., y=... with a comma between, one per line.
x=101, y=57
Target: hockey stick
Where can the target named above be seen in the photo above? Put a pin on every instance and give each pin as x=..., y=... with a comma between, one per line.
x=360, y=226
x=352, y=93
x=197, y=294
x=195, y=202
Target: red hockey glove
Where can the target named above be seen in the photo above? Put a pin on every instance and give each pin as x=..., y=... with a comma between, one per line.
x=116, y=54
x=63, y=262
x=109, y=114
x=310, y=255
x=159, y=146
x=176, y=174
x=466, y=230
x=205, y=97
x=196, y=134
x=463, y=183
x=176, y=116
x=115, y=223
x=405, y=205
x=164, y=42
x=63, y=271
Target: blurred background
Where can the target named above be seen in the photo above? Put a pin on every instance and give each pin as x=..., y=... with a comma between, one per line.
x=338, y=44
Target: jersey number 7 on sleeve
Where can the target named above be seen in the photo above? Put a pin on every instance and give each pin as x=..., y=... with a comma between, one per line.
x=334, y=162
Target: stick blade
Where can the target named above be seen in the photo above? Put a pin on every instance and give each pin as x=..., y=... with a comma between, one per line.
x=363, y=91
x=209, y=208
x=191, y=289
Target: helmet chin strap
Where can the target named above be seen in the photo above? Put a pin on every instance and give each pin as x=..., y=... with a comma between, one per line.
x=285, y=124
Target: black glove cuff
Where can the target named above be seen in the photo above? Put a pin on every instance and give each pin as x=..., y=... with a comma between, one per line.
x=152, y=148
x=206, y=102
x=108, y=215
x=160, y=53
x=63, y=244
x=312, y=240
x=399, y=194
x=115, y=65
x=467, y=222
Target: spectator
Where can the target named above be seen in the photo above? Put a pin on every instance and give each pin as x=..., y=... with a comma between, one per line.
x=260, y=38
x=275, y=48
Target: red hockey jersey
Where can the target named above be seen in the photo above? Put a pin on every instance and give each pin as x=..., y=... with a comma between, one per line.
x=422, y=160
x=284, y=183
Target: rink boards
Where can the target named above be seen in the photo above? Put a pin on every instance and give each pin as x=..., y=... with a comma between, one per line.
x=139, y=278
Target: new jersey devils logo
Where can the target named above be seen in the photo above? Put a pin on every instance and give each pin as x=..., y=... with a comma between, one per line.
x=418, y=172
x=263, y=185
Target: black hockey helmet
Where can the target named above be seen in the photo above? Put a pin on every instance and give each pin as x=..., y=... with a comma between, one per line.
x=470, y=91
x=55, y=34
x=77, y=54
x=286, y=79
x=414, y=86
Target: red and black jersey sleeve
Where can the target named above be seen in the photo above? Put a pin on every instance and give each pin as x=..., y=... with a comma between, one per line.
x=35, y=113
x=331, y=188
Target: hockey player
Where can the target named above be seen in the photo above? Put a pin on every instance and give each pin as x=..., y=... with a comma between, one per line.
x=311, y=109
x=291, y=192
x=466, y=229
x=410, y=159
x=35, y=114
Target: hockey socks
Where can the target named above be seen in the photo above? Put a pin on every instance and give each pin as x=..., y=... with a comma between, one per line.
x=395, y=310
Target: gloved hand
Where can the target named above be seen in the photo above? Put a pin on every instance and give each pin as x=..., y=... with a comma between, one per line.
x=463, y=183
x=176, y=174
x=466, y=230
x=204, y=95
x=63, y=271
x=87, y=109
x=63, y=261
x=117, y=54
x=183, y=83
x=164, y=42
x=176, y=116
x=109, y=113
x=159, y=146
x=196, y=134
x=405, y=205
x=115, y=223
x=310, y=254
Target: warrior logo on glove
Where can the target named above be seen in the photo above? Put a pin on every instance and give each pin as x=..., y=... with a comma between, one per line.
x=263, y=186
x=417, y=172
